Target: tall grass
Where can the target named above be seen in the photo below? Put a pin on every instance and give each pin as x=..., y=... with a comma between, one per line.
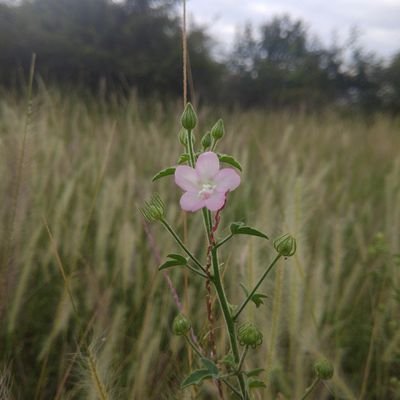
x=333, y=182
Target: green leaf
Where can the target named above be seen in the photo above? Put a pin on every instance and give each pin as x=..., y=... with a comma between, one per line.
x=175, y=261
x=164, y=172
x=227, y=159
x=254, y=372
x=255, y=384
x=229, y=360
x=211, y=367
x=256, y=298
x=178, y=257
x=239, y=228
x=183, y=158
x=196, y=377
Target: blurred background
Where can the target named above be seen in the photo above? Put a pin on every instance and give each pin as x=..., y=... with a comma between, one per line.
x=270, y=54
x=310, y=96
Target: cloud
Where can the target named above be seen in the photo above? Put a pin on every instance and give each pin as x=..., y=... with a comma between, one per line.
x=378, y=21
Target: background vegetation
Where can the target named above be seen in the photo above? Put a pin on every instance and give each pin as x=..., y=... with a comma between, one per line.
x=333, y=182
x=109, y=46
x=106, y=118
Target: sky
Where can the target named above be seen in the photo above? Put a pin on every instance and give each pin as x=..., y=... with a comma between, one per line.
x=376, y=21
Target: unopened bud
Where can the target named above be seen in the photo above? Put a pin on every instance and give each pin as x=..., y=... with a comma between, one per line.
x=249, y=335
x=183, y=135
x=181, y=325
x=189, y=118
x=218, y=130
x=206, y=141
x=285, y=245
x=153, y=210
x=324, y=369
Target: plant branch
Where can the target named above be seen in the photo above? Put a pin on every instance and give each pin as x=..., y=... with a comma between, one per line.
x=169, y=228
x=260, y=281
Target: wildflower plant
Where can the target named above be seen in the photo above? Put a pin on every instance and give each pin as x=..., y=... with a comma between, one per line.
x=206, y=184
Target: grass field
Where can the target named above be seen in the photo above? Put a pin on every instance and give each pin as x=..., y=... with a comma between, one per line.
x=333, y=182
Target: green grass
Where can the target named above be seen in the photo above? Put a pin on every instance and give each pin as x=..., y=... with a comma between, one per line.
x=332, y=182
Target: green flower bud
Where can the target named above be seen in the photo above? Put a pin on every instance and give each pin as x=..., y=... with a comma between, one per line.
x=206, y=141
x=324, y=369
x=218, y=130
x=249, y=335
x=181, y=325
x=285, y=245
x=189, y=118
x=183, y=135
x=153, y=210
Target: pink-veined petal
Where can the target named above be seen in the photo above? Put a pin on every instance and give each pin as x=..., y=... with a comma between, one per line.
x=207, y=166
x=227, y=179
x=191, y=202
x=216, y=201
x=187, y=178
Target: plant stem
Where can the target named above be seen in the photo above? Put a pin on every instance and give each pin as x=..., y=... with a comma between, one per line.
x=223, y=241
x=243, y=356
x=192, y=160
x=230, y=386
x=193, y=346
x=260, y=281
x=230, y=324
x=169, y=228
x=310, y=389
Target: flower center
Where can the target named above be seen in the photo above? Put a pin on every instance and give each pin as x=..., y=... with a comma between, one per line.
x=206, y=191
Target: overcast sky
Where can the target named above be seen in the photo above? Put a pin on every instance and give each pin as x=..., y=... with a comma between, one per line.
x=377, y=21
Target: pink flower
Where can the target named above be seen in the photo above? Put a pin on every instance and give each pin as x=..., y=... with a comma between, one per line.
x=206, y=185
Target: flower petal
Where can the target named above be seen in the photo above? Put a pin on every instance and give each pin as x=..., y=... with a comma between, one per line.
x=191, y=202
x=226, y=180
x=207, y=166
x=216, y=201
x=187, y=178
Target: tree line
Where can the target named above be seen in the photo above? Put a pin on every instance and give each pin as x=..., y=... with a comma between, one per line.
x=136, y=44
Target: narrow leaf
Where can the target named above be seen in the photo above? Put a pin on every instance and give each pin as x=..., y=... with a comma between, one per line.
x=238, y=228
x=254, y=372
x=169, y=264
x=255, y=383
x=227, y=159
x=183, y=158
x=164, y=172
x=178, y=257
x=245, y=290
x=196, y=377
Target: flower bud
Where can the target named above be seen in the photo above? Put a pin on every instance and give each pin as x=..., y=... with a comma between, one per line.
x=249, y=335
x=183, y=135
x=181, y=325
x=206, y=141
x=218, y=130
x=324, y=369
x=285, y=245
x=189, y=118
x=153, y=210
